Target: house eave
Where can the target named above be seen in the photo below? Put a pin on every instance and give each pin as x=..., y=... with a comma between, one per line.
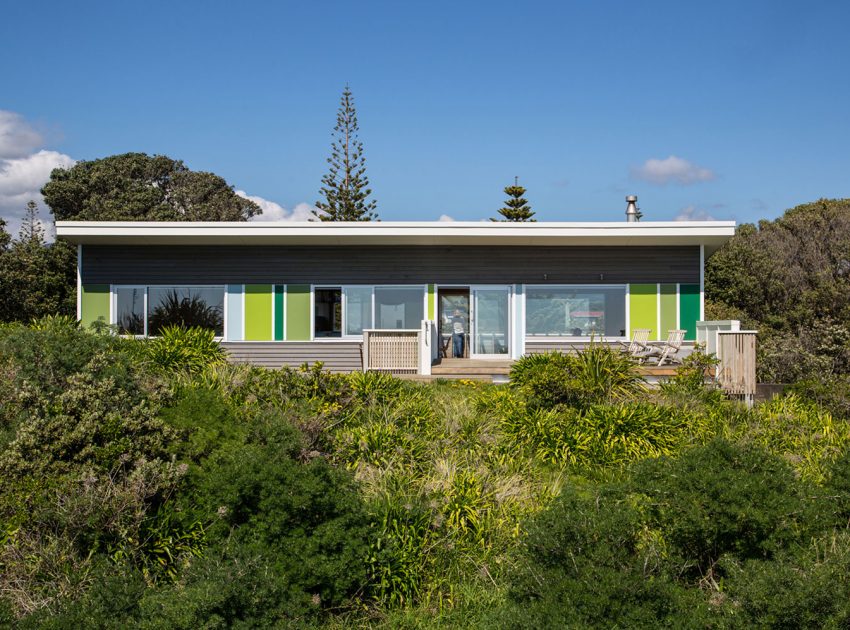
x=711, y=234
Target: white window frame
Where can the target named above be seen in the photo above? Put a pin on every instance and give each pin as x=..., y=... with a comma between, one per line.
x=342, y=287
x=568, y=338
x=113, y=302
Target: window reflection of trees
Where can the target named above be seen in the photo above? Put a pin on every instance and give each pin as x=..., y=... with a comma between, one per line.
x=185, y=310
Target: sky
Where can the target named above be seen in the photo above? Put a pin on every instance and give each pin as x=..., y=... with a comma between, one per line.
x=723, y=110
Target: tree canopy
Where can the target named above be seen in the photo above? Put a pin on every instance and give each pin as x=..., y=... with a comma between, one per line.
x=139, y=187
x=516, y=207
x=345, y=186
x=790, y=278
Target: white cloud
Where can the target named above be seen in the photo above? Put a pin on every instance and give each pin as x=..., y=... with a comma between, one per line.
x=672, y=169
x=445, y=218
x=275, y=212
x=17, y=138
x=692, y=213
x=21, y=180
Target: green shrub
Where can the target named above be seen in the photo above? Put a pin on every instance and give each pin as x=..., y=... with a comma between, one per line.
x=689, y=379
x=804, y=588
x=52, y=349
x=303, y=522
x=831, y=393
x=807, y=436
x=599, y=435
x=594, y=561
x=721, y=499
x=178, y=349
x=598, y=374
x=99, y=421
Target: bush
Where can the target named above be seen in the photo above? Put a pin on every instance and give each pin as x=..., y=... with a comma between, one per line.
x=178, y=349
x=600, y=435
x=100, y=421
x=655, y=548
x=808, y=437
x=304, y=525
x=689, y=380
x=831, y=393
x=718, y=499
x=52, y=349
x=598, y=374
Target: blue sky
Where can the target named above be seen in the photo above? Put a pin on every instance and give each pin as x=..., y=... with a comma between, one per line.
x=730, y=110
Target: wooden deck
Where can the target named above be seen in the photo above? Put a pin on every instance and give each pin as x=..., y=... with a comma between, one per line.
x=499, y=369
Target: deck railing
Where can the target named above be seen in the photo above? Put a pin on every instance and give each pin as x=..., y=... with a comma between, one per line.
x=736, y=373
x=395, y=351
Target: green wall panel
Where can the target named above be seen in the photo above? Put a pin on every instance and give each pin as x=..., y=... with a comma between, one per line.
x=298, y=312
x=278, y=312
x=94, y=304
x=689, y=309
x=432, y=303
x=643, y=308
x=669, y=320
x=258, y=312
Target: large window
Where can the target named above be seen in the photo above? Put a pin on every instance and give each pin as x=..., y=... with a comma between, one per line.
x=346, y=311
x=575, y=311
x=399, y=307
x=147, y=310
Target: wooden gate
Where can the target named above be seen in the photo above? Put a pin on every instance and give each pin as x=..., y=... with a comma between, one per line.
x=395, y=351
x=737, y=370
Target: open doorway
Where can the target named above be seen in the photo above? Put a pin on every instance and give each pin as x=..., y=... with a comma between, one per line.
x=453, y=317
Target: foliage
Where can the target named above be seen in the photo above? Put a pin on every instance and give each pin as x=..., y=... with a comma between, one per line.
x=689, y=381
x=597, y=374
x=516, y=208
x=681, y=542
x=36, y=278
x=346, y=187
x=600, y=435
x=791, y=280
x=138, y=187
x=303, y=521
x=830, y=392
x=203, y=493
x=807, y=436
x=178, y=349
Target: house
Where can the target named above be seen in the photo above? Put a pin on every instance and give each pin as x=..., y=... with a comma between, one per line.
x=289, y=293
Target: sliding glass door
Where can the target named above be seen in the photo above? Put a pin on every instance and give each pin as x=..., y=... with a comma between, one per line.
x=491, y=325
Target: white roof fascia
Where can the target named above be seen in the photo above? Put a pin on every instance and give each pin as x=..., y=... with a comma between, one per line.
x=709, y=233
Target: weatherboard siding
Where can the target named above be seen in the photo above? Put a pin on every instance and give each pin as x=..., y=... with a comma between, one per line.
x=336, y=356
x=304, y=265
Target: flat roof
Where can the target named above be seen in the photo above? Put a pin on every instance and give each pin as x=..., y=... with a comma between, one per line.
x=711, y=234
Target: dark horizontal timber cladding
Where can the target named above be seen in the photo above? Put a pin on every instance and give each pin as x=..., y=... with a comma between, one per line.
x=335, y=356
x=207, y=264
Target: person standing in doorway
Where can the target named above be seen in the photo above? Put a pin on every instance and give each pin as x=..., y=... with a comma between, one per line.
x=458, y=334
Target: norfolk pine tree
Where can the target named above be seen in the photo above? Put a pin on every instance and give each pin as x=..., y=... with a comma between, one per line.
x=516, y=207
x=346, y=186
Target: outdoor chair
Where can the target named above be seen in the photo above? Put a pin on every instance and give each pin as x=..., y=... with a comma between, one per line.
x=638, y=347
x=667, y=350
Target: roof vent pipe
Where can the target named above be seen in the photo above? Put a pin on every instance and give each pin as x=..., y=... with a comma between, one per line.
x=633, y=213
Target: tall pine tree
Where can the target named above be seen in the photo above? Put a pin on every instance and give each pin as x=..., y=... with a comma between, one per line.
x=516, y=207
x=346, y=186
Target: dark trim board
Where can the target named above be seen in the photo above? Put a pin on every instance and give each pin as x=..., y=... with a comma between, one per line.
x=344, y=264
x=335, y=356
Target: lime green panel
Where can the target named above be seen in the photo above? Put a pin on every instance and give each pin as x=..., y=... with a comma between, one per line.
x=94, y=304
x=298, y=312
x=278, y=312
x=258, y=312
x=643, y=308
x=668, y=309
x=432, y=303
x=689, y=309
